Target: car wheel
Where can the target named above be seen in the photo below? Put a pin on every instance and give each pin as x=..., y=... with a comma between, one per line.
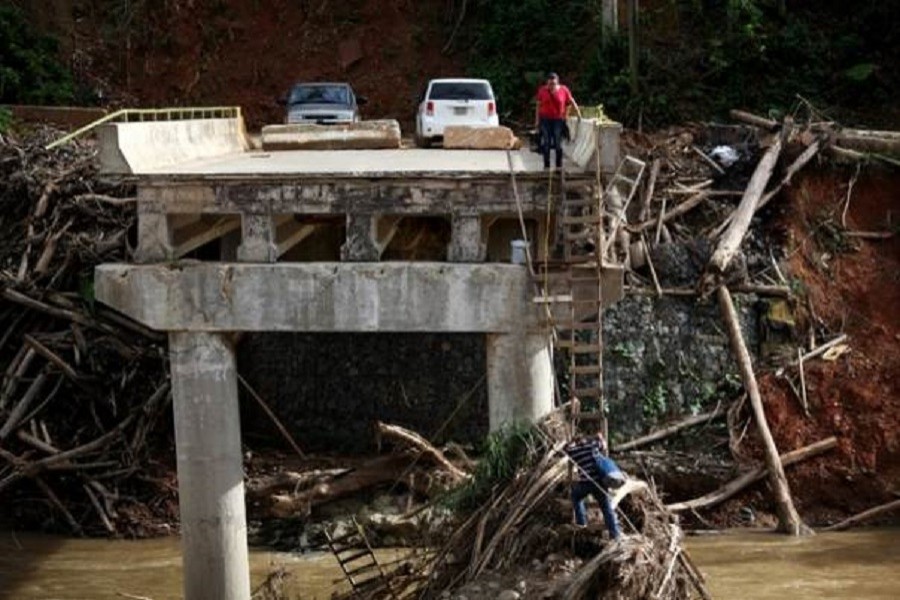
x=423, y=142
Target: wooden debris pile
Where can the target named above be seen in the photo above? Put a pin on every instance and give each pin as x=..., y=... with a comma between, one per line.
x=529, y=521
x=696, y=175
x=82, y=387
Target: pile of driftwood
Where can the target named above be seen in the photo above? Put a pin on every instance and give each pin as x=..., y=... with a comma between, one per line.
x=529, y=519
x=82, y=387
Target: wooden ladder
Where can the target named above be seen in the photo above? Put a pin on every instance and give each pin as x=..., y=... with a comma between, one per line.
x=361, y=568
x=586, y=223
x=583, y=224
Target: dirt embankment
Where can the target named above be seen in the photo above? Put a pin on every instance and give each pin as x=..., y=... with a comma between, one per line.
x=849, y=285
x=249, y=53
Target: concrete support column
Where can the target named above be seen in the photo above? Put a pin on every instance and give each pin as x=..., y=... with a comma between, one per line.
x=467, y=242
x=210, y=473
x=155, y=242
x=610, y=147
x=361, y=244
x=519, y=377
x=257, y=239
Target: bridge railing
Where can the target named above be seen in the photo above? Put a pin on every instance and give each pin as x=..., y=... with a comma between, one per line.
x=128, y=115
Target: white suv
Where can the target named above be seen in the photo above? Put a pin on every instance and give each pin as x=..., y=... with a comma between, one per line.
x=454, y=102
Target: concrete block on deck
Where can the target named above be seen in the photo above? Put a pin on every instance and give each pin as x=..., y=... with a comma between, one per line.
x=590, y=136
x=365, y=135
x=463, y=137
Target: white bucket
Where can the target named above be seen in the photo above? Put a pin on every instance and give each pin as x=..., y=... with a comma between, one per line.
x=519, y=248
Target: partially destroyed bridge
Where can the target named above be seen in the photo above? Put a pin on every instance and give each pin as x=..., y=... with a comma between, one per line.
x=237, y=240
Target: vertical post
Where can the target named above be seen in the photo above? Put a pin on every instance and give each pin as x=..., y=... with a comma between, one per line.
x=519, y=378
x=257, y=239
x=210, y=473
x=360, y=244
x=610, y=17
x=633, y=10
x=154, y=231
x=466, y=239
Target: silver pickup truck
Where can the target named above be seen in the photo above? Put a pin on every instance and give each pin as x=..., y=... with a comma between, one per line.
x=323, y=103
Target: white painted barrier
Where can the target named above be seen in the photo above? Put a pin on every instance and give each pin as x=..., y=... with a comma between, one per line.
x=589, y=136
x=148, y=146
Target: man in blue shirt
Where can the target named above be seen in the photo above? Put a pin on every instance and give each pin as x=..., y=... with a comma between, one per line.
x=597, y=474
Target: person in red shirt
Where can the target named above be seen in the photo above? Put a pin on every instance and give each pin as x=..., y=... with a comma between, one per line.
x=553, y=100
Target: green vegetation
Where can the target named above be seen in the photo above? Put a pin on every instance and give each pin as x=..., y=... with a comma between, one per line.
x=6, y=119
x=29, y=70
x=503, y=453
x=698, y=58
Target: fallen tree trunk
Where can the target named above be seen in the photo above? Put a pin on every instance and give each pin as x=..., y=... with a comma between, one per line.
x=758, y=474
x=755, y=120
x=384, y=469
x=740, y=219
x=788, y=519
x=864, y=516
x=869, y=142
x=801, y=161
x=670, y=430
x=290, y=480
x=419, y=443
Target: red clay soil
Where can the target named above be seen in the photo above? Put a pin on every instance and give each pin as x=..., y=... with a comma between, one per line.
x=234, y=52
x=853, y=287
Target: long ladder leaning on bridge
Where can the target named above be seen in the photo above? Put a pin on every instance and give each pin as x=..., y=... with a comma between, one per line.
x=587, y=226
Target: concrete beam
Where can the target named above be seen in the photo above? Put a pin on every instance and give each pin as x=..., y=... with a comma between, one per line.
x=385, y=296
x=341, y=195
x=210, y=472
x=519, y=378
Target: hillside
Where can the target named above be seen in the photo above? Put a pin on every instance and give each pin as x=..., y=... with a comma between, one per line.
x=697, y=59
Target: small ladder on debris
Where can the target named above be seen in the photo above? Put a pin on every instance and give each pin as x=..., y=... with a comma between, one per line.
x=620, y=190
x=361, y=568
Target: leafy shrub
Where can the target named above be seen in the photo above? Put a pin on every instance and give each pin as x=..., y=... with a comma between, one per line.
x=503, y=453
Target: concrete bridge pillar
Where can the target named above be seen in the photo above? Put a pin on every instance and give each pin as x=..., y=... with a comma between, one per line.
x=155, y=242
x=210, y=472
x=519, y=377
x=257, y=239
x=466, y=239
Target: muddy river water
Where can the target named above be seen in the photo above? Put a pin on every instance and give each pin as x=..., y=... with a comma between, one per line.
x=747, y=566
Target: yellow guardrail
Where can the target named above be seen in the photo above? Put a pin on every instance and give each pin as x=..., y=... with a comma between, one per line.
x=128, y=115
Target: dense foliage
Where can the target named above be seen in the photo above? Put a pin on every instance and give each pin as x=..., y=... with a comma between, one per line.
x=29, y=70
x=698, y=58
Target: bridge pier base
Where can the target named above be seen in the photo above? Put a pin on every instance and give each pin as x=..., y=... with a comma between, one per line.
x=210, y=473
x=519, y=378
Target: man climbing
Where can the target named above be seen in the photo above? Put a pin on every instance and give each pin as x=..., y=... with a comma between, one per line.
x=553, y=101
x=597, y=474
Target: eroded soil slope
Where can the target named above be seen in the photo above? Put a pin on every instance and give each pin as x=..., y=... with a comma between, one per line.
x=852, y=286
